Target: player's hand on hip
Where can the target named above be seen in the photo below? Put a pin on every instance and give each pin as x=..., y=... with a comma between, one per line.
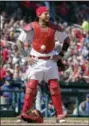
x=31, y=60
x=55, y=58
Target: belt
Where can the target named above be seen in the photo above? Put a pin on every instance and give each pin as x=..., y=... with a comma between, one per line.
x=42, y=57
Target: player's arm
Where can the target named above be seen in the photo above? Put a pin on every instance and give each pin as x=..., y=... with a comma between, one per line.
x=65, y=46
x=26, y=36
x=21, y=40
x=20, y=44
x=63, y=40
x=57, y=27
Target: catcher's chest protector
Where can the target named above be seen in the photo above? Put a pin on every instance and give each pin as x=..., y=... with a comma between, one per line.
x=43, y=37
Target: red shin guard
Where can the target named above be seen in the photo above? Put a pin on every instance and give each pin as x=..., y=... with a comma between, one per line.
x=57, y=104
x=28, y=102
x=30, y=94
x=56, y=96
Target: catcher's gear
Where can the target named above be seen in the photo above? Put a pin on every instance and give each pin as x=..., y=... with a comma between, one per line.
x=61, y=65
x=33, y=117
x=65, y=47
x=56, y=95
x=30, y=95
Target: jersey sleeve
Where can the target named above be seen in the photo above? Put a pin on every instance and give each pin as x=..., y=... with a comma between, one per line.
x=23, y=36
x=60, y=36
x=26, y=36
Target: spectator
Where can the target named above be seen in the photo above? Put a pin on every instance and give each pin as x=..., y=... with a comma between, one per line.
x=2, y=19
x=6, y=86
x=86, y=72
x=83, y=107
x=63, y=10
x=2, y=72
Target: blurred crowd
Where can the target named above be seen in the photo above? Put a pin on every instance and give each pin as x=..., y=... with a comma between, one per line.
x=12, y=61
x=76, y=58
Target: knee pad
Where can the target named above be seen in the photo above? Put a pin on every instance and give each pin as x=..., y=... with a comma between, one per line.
x=31, y=87
x=54, y=87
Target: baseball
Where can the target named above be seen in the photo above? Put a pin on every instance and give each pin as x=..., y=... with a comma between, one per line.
x=43, y=47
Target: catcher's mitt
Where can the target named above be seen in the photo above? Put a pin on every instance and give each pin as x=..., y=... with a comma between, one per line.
x=33, y=117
